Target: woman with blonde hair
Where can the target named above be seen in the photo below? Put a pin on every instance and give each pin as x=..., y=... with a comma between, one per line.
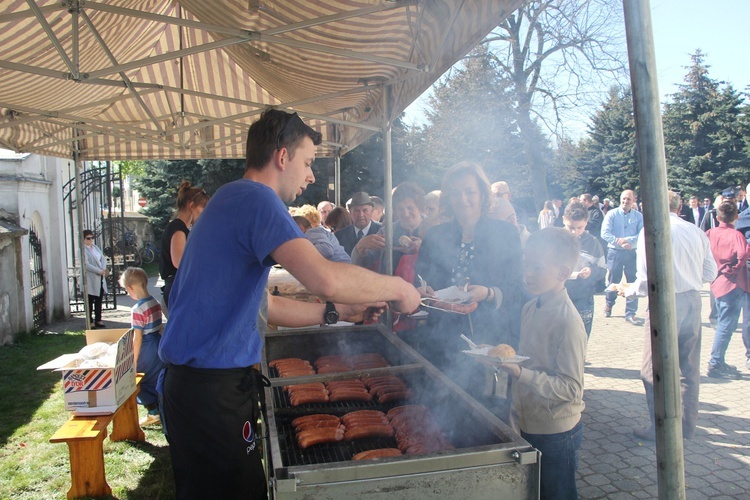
x=190, y=203
x=321, y=238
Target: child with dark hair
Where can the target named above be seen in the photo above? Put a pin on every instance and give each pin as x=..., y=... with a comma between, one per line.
x=548, y=387
x=591, y=266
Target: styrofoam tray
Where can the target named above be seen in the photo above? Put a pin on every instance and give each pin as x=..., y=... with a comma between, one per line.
x=482, y=355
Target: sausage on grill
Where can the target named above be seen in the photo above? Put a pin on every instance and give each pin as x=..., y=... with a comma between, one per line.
x=314, y=417
x=379, y=453
x=319, y=436
x=368, y=431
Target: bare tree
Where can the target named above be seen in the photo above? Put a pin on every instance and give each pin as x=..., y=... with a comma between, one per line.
x=560, y=55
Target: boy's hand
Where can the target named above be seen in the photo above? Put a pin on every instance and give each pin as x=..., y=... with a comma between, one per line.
x=478, y=292
x=513, y=370
x=584, y=273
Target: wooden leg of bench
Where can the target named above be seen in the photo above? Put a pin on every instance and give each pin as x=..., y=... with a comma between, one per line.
x=87, y=468
x=125, y=425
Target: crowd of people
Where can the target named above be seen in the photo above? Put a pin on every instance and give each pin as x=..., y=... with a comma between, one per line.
x=531, y=289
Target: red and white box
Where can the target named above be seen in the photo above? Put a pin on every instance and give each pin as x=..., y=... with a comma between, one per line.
x=98, y=391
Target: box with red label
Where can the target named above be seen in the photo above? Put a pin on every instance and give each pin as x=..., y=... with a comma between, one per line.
x=98, y=391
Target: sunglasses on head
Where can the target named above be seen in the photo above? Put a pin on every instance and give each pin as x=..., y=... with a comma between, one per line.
x=294, y=117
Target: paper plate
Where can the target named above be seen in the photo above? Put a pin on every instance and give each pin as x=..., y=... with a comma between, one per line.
x=482, y=356
x=453, y=294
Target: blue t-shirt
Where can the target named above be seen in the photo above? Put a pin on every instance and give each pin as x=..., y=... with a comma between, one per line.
x=217, y=292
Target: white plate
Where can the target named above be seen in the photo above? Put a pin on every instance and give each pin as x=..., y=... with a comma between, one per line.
x=482, y=356
x=453, y=294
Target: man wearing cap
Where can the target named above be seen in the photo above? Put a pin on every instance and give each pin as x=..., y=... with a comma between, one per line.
x=620, y=230
x=363, y=225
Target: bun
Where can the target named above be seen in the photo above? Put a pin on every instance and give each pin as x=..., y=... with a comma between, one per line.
x=502, y=351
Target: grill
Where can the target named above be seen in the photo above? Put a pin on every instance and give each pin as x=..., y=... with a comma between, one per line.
x=489, y=459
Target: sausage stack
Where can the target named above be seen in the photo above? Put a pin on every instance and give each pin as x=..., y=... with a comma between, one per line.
x=317, y=429
x=416, y=430
x=300, y=394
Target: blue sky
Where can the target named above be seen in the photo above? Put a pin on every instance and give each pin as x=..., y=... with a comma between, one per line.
x=720, y=28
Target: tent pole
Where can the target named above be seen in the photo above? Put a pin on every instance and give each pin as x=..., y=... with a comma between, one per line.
x=79, y=233
x=663, y=320
x=337, y=178
x=388, y=191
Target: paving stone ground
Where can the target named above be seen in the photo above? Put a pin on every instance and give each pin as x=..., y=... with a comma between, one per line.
x=614, y=463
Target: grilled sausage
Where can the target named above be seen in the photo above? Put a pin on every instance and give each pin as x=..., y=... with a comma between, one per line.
x=342, y=395
x=319, y=436
x=394, y=396
x=308, y=398
x=454, y=307
x=368, y=431
x=379, y=453
x=364, y=421
x=380, y=389
x=362, y=413
x=276, y=362
x=314, y=417
x=398, y=410
x=317, y=424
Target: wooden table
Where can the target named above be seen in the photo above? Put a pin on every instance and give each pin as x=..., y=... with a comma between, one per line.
x=85, y=437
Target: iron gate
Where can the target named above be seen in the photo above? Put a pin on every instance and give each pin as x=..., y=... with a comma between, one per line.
x=38, y=287
x=103, y=213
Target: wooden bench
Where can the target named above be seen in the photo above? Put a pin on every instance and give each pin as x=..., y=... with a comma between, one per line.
x=85, y=437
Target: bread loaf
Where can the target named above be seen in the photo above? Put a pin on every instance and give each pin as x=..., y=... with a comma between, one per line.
x=502, y=351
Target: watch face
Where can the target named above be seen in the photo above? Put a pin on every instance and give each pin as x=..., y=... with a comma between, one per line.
x=332, y=317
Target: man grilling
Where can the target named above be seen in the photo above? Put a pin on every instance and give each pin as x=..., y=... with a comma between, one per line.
x=211, y=390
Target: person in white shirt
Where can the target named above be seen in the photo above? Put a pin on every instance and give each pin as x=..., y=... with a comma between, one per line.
x=694, y=265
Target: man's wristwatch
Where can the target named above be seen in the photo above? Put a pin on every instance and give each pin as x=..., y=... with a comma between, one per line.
x=331, y=316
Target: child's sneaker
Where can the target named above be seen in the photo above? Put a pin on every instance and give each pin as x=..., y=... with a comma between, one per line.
x=152, y=418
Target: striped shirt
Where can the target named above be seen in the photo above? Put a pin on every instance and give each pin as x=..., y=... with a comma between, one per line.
x=146, y=315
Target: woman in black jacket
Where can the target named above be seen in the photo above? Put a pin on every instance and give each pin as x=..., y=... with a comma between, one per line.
x=484, y=254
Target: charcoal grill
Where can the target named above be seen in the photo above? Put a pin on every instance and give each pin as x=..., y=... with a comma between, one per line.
x=489, y=459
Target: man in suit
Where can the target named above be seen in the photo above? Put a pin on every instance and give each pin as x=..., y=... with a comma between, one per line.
x=693, y=212
x=363, y=225
x=742, y=204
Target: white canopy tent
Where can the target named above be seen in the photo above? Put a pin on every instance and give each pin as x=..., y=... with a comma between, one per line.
x=146, y=79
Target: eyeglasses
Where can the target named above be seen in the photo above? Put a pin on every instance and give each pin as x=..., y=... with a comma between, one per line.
x=89, y=238
x=294, y=117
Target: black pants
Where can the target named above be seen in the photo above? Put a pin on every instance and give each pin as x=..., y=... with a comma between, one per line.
x=165, y=290
x=210, y=419
x=95, y=305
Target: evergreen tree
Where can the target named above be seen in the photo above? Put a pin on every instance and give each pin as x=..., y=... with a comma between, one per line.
x=470, y=117
x=703, y=134
x=609, y=157
x=158, y=184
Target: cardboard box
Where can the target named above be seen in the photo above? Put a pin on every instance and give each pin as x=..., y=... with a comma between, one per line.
x=98, y=391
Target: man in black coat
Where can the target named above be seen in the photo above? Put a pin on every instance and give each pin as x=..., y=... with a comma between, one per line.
x=361, y=212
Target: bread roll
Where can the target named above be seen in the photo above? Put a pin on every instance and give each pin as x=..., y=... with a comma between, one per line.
x=502, y=351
